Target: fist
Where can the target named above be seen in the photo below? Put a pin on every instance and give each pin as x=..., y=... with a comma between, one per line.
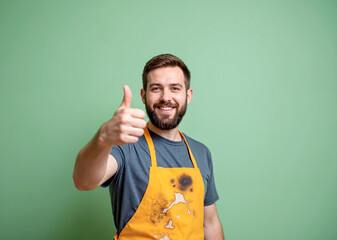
x=126, y=125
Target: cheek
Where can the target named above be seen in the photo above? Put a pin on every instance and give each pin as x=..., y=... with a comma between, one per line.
x=153, y=98
x=150, y=100
x=181, y=99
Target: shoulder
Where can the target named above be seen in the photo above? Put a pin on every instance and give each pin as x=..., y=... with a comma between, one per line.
x=195, y=143
x=197, y=147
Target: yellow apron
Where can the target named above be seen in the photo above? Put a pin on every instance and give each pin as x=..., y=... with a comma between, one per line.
x=172, y=207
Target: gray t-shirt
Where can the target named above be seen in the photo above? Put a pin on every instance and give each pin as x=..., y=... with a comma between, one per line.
x=129, y=183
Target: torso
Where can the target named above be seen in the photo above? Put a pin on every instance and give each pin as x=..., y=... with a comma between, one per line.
x=133, y=172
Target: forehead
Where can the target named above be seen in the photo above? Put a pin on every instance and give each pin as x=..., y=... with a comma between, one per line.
x=166, y=75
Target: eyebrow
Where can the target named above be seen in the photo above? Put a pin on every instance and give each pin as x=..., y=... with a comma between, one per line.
x=173, y=84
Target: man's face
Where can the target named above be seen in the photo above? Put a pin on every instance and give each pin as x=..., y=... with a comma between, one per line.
x=166, y=97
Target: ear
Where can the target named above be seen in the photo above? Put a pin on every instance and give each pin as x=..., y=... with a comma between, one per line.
x=189, y=95
x=142, y=94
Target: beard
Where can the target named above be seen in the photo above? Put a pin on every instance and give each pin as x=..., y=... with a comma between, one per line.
x=165, y=123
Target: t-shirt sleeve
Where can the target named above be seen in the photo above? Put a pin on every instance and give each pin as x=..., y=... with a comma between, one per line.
x=211, y=195
x=118, y=153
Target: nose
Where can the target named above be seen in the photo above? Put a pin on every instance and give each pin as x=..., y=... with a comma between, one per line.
x=166, y=95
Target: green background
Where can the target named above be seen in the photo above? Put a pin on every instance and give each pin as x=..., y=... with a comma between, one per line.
x=264, y=77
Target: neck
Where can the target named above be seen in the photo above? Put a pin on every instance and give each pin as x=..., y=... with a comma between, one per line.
x=172, y=134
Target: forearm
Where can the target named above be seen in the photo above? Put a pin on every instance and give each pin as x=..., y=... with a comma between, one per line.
x=212, y=225
x=91, y=164
x=213, y=231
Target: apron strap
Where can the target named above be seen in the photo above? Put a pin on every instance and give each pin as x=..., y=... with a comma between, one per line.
x=151, y=147
x=189, y=151
x=153, y=152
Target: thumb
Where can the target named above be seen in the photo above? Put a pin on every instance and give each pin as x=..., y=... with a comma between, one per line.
x=127, y=97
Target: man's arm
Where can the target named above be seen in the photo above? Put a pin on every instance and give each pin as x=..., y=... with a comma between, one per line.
x=94, y=165
x=212, y=226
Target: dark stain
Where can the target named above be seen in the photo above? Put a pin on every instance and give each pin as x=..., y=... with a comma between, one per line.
x=185, y=181
x=174, y=185
x=172, y=180
x=157, y=208
x=191, y=189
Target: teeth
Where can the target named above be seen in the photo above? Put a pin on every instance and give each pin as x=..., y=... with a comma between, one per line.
x=165, y=108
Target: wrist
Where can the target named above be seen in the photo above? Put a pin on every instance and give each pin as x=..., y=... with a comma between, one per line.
x=102, y=139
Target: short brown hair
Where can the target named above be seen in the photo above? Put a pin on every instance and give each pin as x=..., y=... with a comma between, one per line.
x=166, y=60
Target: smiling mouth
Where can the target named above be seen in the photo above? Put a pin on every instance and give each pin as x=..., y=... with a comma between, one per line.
x=166, y=108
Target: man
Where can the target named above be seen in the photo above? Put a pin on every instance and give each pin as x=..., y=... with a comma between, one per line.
x=161, y=181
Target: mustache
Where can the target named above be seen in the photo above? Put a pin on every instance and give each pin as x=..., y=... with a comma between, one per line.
x=163, y=104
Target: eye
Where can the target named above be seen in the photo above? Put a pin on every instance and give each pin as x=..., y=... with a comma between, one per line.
x=155, y=89
x=176, y=89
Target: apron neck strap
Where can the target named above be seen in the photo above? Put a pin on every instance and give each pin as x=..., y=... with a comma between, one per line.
x=151, y=147
x=153, y=152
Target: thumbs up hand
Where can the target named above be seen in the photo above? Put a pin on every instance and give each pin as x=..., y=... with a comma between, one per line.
x=127, y=97
x=126, y=125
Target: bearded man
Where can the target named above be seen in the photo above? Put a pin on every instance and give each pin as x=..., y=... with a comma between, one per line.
x=161, y=181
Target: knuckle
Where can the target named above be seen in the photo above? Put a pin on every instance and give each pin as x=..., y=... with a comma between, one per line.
x=122, y=128
x=126, y=111
x=123, y=138
x=123, y=119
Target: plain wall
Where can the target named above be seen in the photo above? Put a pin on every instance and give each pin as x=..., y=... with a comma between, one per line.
x=264, y=77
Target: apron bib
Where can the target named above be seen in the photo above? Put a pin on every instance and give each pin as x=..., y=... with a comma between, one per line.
x=172, y=207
